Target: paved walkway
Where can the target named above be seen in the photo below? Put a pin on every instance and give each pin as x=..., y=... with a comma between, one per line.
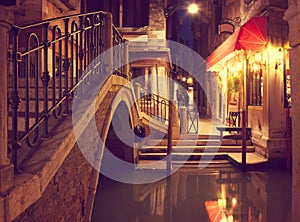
x=208, y=126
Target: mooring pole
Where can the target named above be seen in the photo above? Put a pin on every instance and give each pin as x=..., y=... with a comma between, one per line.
x=244, y=139
x=169, y=148
x=170, y=131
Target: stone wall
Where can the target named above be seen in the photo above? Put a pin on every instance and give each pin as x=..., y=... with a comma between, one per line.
x=57, y=183
x=157, y=21
x=66, y=196
x=31, y=11
x=292, y=15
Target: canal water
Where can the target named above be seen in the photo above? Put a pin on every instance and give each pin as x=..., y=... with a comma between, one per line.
x=193, y=195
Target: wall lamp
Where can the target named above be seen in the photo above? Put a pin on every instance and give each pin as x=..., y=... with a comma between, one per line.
x=279, y=57
x=192, y=8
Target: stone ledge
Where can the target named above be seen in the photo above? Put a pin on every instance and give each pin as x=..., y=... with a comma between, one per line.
x=6, y=178
x=26, y=191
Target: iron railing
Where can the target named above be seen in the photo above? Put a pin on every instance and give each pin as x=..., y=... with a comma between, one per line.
x=118, y=54
x=47, y=62
x=154, y=105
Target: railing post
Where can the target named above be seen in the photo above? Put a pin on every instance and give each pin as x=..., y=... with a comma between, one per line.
x=45, y=79
x=6, y=168
x=15, y=99
x=126, y=57
x=66, y=66
x=108, y=41
x=81, y=54
x=170, y=139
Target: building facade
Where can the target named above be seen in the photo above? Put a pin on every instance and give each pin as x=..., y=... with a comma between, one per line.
x=266, y=116
x=252, y=68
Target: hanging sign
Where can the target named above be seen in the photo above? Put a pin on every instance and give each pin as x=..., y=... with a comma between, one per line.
x=225, y=27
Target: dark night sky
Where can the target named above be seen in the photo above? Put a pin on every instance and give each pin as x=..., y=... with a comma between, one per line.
x=185, y=31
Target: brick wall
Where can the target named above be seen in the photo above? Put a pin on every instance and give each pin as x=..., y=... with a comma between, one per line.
x=65, y=197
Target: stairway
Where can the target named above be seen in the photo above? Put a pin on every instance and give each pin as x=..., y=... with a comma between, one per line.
x=193, y=151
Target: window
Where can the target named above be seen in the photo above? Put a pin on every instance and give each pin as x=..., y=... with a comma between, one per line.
x=255, y=84
x=135, y=13
x=112, y=6
x=126, y=13
x=8, y=2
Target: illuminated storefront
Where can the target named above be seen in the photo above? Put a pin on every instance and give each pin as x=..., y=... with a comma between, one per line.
x=253, y=72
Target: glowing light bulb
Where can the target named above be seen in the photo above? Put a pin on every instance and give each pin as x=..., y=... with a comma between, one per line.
x=193, y=8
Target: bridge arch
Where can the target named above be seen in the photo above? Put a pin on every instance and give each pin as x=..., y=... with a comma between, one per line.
x=115, y=129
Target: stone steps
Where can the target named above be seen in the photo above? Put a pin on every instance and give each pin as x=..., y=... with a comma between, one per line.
x=213, y=165
x=193, y=150
x=196, y=142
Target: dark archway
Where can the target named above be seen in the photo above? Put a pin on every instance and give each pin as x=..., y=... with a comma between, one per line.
x=119, y=139
x=119, y=142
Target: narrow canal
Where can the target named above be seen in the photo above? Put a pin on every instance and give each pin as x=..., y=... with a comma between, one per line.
x=190, y=194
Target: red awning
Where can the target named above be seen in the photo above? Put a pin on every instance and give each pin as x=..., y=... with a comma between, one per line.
x=251, y=36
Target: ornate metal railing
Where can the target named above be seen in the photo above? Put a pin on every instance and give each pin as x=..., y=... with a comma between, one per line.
x=47, y=62
x=118, y=53
x=154, y=105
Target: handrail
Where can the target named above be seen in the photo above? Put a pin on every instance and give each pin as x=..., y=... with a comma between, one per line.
x=118, y=64
x=31, y=25
x=154, y=105
x=48, y=60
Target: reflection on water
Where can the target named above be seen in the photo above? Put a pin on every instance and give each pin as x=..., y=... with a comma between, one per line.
x=198, y=195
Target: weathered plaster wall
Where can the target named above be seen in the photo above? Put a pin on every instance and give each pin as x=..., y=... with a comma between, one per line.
x=157, y=21
x=292, y=15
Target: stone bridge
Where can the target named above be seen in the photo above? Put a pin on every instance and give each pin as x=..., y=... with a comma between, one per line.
x=57, y=183
x=51, y=180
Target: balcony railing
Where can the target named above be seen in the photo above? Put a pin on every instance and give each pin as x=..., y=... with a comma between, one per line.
x=47, y=63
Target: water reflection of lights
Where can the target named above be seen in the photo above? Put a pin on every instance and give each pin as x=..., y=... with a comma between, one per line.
x=189, y=192
x=234, y=201
x=218, y=211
